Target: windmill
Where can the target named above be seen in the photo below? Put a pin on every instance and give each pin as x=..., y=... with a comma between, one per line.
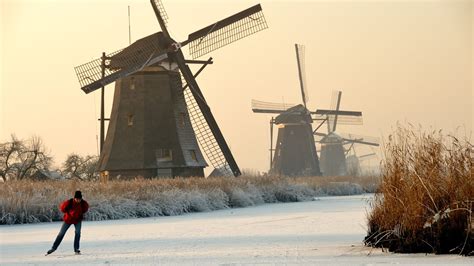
x=333, y=153
x=156, y=121
x=353, y=157
x=295, y=152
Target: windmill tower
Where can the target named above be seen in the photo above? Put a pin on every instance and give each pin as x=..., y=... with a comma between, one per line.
x=157, y=121
x=295, y=152
x=333, y=153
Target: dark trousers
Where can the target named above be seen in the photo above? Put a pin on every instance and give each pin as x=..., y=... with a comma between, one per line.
x=62, y=232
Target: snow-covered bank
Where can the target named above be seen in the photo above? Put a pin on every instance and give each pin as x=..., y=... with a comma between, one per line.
x=26, y=201
x=329, y=230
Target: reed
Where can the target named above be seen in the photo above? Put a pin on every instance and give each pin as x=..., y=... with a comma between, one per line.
x=426, y=197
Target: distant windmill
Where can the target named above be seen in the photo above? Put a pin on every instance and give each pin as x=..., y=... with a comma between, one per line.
x=333, y=153
x=295, y=151
x=157, y=121
x=353, y=159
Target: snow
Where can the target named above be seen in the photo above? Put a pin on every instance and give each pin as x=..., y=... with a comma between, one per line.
x=328, y=230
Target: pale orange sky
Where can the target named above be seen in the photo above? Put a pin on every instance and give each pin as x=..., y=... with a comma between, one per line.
x=393, y=60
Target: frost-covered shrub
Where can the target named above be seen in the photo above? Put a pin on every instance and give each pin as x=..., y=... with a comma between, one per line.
x=28, y=201
x=198, y=201
x=255, y=195
x=343, y=188
x=172, y=202
x=294, y=193
x=217, y=199
x=239, y=198
x=147, y=209
x=8, y=218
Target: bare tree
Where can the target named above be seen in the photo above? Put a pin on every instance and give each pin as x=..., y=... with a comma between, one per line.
x=8, y=152
x=80, y=167
x=19, y=159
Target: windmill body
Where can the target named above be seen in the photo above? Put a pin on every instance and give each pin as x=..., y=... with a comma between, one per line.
x=333, y=157
x=158, y=125
x=150, y=132
x=295, y=152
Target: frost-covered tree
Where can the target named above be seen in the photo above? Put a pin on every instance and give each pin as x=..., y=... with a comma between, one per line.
x=19, y=159
x=80, y=167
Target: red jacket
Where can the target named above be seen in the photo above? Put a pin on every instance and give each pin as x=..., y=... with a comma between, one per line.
x=73, y=212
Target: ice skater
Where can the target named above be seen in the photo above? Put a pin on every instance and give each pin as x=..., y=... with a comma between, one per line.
x=73, y=210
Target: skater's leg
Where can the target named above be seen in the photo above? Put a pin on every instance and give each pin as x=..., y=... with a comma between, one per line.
x=77, y=235
x=60, y=236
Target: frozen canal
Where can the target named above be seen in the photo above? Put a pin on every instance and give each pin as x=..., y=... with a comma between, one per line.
x=328, y=230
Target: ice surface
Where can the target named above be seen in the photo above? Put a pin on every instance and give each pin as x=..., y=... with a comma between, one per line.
x=328, y=230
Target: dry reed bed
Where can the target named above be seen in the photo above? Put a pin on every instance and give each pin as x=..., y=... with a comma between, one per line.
x=37, y=201
x=426, y=197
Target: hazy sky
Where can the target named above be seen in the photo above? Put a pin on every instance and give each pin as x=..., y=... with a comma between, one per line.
x=393, y=60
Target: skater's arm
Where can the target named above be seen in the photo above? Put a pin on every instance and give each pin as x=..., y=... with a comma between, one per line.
x=64, y=206
x=85, y=206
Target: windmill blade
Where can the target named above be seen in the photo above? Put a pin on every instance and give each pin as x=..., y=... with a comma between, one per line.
x=347, y=120
x=161, y=10
x=204, y=135
x=205, y=126
x=338, y=105
x=300, y=58
x=343, y=117
x=331, y=117
x=161, y=15
x=334, y=97
x=142, y=53
x=226, y=31
x=340, y=112
x=270, y=108
x=360, y=142
x=360, y=139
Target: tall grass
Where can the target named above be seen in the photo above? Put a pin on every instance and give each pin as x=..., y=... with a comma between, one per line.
x=426, y=198
x=37, y=201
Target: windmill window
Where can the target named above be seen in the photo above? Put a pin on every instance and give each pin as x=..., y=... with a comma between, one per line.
x=164, y=155
x=193, y=155
x=132, y=83
x=130, y=120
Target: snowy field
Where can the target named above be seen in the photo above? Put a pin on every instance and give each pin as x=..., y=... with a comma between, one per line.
x=328, y=230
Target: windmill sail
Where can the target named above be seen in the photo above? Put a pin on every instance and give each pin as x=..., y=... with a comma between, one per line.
x=338, y=104
x=161, y=16
x=300, y=58
x=201, y=42
x=270, y=108
x=343, y=117
x=367, y=140
x=161, y=9
x=204, y=135
x=205, y=126
x=119, y=64
x=226, y=31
